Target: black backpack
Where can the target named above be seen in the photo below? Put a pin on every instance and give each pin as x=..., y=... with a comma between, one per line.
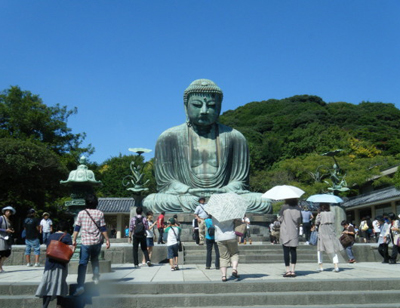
x=211, y=230
x=139, y=230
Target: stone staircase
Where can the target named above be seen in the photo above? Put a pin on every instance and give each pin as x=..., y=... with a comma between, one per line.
x=355, y=293
x=255, y=253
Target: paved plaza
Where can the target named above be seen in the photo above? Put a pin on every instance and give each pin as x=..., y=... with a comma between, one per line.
x=126, y=273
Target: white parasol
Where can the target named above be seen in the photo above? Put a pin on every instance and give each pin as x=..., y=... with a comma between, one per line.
x=226, y=206
x=282, y=192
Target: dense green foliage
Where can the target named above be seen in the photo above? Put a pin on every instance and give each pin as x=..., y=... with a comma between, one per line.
x=37, y=149
x=113, y=171
x=286, y=138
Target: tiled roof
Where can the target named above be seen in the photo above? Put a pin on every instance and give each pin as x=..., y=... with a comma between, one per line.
x=377, y=196
x=115, y=205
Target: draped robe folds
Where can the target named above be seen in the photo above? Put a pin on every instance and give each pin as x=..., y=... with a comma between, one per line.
x=175, y=176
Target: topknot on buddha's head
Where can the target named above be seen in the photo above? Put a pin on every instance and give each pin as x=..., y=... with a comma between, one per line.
x=202, y=86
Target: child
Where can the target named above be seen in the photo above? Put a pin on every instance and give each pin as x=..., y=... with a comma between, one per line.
x=54, y=279
x=173, y=236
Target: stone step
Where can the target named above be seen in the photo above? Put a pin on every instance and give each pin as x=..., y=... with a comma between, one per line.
x=274, y=299
x=301, y=293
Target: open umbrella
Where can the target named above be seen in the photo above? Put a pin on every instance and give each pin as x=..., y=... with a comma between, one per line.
x=226, y=206
x=282, y=192
x=324, y=198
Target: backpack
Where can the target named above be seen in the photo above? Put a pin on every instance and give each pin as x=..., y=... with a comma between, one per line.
x=365, y=226
x=276, y=226
x=211, y=230
x=139, y=230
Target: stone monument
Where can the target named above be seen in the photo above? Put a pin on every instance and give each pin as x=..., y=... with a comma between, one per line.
x=201, y=157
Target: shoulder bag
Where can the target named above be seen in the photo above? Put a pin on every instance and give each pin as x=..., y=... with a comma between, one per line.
x=178, y=239
x=101, y=233
x=60, y=251
x=240, y=228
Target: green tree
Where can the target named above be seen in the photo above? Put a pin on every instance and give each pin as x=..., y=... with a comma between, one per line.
x=114, y=170
x=29, y=175
x=24, y=116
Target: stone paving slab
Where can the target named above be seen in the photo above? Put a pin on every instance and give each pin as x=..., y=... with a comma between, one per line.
x=126, y=273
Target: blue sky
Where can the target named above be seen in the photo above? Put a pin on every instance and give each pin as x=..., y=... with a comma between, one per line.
x=125, y=64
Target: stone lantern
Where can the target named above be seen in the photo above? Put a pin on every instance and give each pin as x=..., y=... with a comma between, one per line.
x=82, y=182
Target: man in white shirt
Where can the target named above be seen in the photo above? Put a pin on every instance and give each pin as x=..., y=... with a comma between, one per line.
x=46, y=226
x=201, y=215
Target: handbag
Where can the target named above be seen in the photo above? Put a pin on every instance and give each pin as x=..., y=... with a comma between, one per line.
x=345, y=240
x=60, y=251
x=313, y=238
x=240, y=228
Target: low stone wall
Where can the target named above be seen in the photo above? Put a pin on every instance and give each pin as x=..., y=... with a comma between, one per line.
x=123, y=253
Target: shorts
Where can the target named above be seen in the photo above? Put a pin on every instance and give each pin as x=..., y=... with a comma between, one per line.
x=149, y=241
x=35, y=244
x=228, y=252
x=5, y=253
x=172, y=251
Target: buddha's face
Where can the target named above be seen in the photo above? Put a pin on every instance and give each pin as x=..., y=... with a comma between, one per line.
x=203, y=109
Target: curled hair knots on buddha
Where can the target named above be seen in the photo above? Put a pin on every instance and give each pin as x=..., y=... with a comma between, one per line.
x=202, y=86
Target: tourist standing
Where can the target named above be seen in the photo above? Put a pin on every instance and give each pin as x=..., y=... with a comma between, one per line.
x=327, y=240
x=290, y=219
x=54, y=279
x=225, y=237
x=137, y=228
x=274, y=229
x=376, y=229
x=350, y=231
x=307, y=216
x=149, y=236
x=173, y=237
x=6, y=235
x=46, y=226
x=195, y=226
x=210, y=243
x=247, y=235
x=384, y=239
x=160, y=227
x=395, y=235
x=32, y=229
x=201, y=215
x=92, y=226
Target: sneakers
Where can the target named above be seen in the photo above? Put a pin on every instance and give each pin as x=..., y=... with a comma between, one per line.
x=352, y=261
x=149, y=264
x=336, y=270
x=29, y=264
x=208, y=267
x=96, y=280
x=307, y=243
x=79, y=291
x=37, y=265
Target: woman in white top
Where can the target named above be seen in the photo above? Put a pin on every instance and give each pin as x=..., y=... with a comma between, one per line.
x=149, y=235
x=225, y=237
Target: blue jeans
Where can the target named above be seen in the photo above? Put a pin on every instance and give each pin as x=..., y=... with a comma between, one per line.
x=35, y=244
x=45, y=236
x=92, y=252
x=349, y=251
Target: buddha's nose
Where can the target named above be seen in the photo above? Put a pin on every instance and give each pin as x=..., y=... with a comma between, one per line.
x=204, y=109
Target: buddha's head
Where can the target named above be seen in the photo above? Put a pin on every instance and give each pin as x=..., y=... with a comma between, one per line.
x=202, y=99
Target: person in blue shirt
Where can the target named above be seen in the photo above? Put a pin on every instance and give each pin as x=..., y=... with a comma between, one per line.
x=210, y=243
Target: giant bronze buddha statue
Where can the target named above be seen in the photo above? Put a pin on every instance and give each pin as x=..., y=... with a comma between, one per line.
x=201, y=157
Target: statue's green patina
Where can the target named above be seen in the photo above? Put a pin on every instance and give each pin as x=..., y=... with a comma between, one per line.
x=201, y=157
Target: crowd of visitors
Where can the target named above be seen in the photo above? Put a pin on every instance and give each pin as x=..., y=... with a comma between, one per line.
x=219, y=236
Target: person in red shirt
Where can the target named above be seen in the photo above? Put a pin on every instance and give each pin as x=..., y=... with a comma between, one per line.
x=160, y=227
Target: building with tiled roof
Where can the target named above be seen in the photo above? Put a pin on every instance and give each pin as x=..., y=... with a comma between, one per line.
x=116, y=213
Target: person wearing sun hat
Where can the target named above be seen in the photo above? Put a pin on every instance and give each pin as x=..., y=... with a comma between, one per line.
x=6, y=232
x=46, y=226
